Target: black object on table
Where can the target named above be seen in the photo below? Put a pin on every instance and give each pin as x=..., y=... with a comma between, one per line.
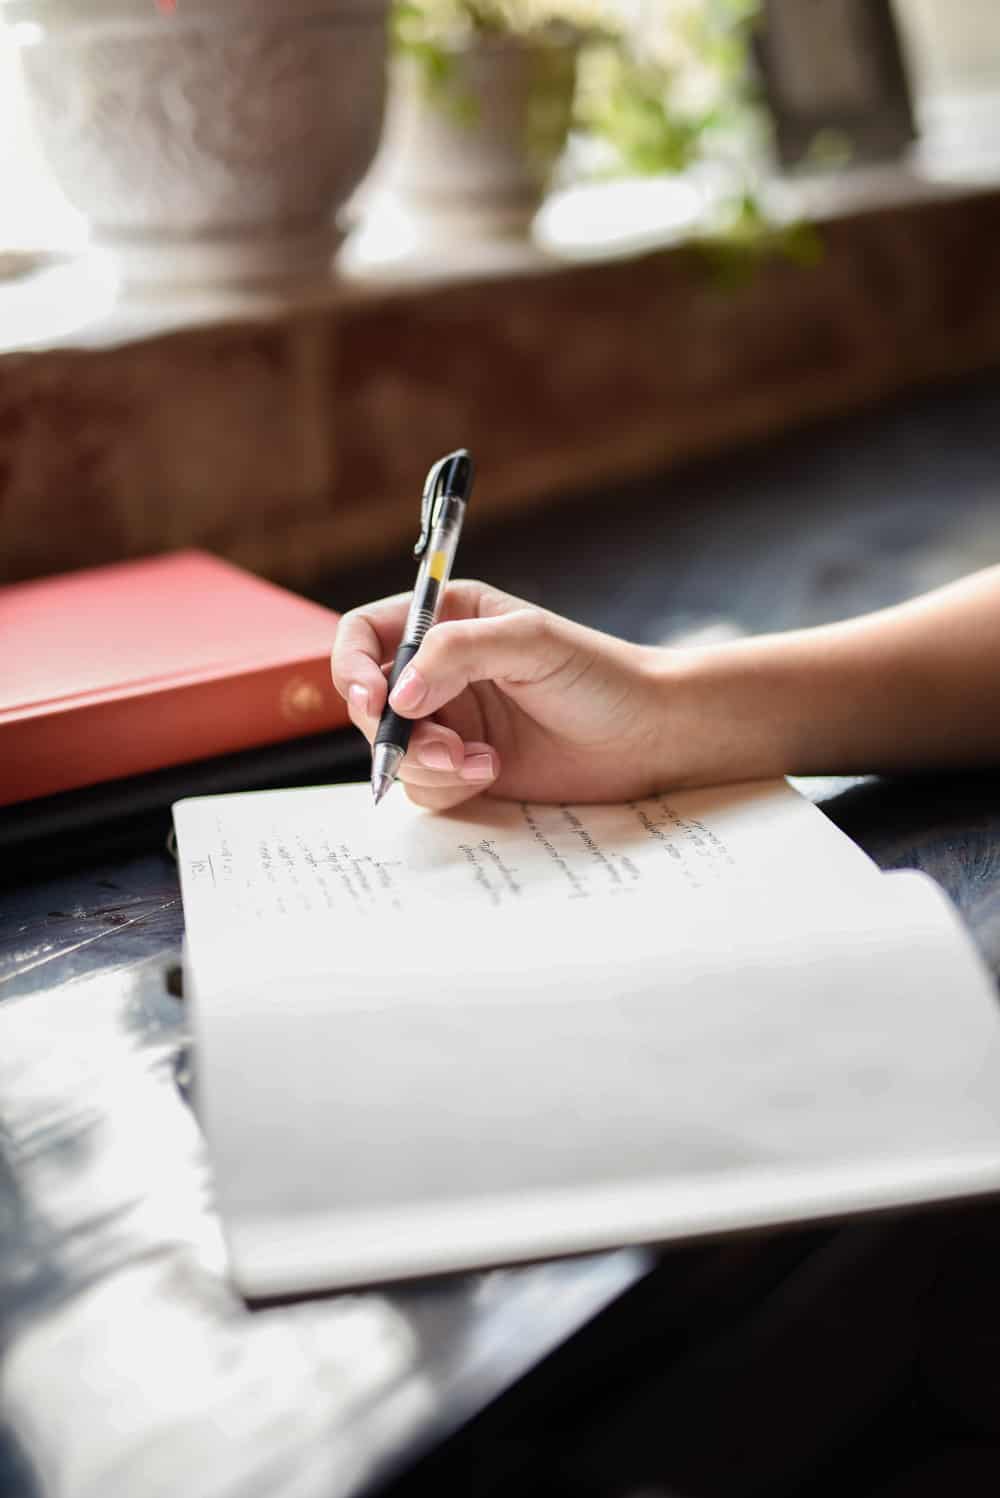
x=130, y=1368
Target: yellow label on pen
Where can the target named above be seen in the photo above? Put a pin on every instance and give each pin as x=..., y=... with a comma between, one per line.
x=436, y=565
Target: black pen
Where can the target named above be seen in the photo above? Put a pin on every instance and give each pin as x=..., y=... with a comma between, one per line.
x=442, y=510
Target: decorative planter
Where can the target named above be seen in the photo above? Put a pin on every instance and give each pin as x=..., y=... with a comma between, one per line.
x=211, y=142
x=466, y=164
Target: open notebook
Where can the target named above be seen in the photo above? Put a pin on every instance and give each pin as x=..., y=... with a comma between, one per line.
x=427, y=1043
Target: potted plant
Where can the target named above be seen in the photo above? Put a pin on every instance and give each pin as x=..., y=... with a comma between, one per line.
x=485, y=94
x=210, y=141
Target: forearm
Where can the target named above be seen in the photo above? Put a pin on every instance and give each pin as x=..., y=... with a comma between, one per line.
x=912, y=687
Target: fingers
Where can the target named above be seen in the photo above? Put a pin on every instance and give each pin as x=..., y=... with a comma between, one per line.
x=368, y=637
x=486, y=633
x=441, y=791
x=439, y=768
x=440, y=800
x=435, y=763
x=432, y=745
x=365, y=638
x=525, y=645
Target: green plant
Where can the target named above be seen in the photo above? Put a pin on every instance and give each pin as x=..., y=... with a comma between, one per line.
x=656, y=93
x=663, y=89
x=743, y=235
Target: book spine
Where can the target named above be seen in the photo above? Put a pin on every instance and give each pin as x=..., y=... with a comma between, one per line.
x=132, y=734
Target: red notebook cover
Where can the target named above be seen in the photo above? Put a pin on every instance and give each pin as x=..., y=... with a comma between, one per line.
x=119, y=670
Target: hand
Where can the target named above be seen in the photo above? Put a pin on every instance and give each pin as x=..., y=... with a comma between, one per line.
x=510, y=700
x=518, y=702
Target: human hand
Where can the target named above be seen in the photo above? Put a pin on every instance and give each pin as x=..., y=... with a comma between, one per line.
x=509, y=699
x=518, y=702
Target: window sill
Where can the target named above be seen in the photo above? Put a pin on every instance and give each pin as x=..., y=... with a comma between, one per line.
x=291, y=435
x=66, y=298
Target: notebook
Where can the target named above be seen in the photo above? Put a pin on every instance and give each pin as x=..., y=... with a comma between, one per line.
x=430, y=1043
x=132, y=668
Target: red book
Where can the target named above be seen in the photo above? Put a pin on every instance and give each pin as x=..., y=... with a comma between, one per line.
x=119, y=670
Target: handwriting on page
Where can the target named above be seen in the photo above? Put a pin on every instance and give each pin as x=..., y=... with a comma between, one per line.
x=500, y=855
x=679, y=835
x=592, y=867
x=294, y=874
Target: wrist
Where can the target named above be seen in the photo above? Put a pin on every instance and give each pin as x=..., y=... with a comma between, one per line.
x=743, y=710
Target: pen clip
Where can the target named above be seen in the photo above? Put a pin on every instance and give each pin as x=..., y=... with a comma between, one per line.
x=427, y=505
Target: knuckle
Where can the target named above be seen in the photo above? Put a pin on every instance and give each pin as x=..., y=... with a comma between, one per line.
x=444, y=643
x=466, y=592
x=479, y=597
x=347, y=626
x=493, y=602
x=463, y=634
x=530, y=626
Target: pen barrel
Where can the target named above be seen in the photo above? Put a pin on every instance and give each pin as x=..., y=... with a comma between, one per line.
x=393, y=729
x=432, y=579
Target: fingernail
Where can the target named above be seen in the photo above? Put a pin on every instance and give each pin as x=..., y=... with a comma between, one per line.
x=409, y=690
x=358, y=696
x=435, y=756
x=477, y=767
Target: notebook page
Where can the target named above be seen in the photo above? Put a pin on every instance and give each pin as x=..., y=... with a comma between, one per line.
x=433, y=1042
x=280, y=878
x=516, y=1102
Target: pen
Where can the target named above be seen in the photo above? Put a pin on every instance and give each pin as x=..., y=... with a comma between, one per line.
x=442, y=510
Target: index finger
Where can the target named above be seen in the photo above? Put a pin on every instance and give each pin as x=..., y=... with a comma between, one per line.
x=369, y=637
x=365, y=638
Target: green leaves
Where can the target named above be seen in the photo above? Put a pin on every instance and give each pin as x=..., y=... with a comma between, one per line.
x=744, y=237
x=625, y=102
x=667, y=93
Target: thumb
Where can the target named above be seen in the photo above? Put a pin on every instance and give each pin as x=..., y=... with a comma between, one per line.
x=521, y=647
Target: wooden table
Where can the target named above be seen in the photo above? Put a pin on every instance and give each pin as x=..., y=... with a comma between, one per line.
x=130, y=1367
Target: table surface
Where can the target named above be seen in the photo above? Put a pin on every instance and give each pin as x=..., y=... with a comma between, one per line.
x=130, y=1366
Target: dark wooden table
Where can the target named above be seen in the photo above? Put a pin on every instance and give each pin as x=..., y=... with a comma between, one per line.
x=130, y=1367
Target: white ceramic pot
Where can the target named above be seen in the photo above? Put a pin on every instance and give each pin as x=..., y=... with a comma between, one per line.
x=468, y=164
x=212, y=141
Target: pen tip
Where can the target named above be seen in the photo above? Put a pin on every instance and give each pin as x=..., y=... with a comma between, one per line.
x=380, y=785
